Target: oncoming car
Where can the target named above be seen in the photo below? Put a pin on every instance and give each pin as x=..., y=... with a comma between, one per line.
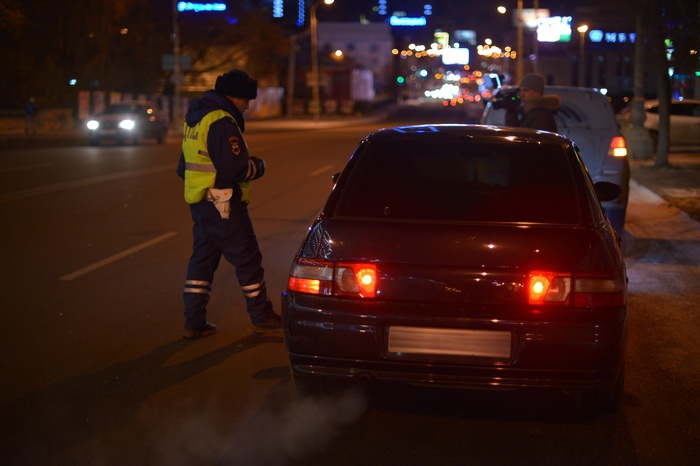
x=587, y=118
x=129, y=121
x=461, y=256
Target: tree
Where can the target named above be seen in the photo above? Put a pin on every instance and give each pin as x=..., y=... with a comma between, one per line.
x=116, y=45
x=253, y=43
x=674, y=32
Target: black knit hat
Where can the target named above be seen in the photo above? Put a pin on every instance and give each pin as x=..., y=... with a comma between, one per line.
x=237, y=83
x=534, y=82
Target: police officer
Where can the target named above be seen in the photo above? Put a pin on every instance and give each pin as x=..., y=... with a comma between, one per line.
x=217, y=169
x=537, y=110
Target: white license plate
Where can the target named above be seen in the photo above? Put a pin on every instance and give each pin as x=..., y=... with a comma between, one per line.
x=454, y=342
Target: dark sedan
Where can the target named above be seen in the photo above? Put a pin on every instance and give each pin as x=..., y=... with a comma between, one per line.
x=458, y=255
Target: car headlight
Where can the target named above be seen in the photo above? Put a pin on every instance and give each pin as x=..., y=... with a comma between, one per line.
x=93, y=124
x=127, y=124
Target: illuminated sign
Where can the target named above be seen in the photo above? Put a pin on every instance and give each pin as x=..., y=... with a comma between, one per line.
x=530, y=17
x=464, y=36
x=407, y=21
x=597, y=36
x=554, y=29
x=442, y=38
x=197, y=7
x=454, y=56
x=278, y=9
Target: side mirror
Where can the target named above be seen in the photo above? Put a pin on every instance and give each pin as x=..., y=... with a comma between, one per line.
x=607, y=190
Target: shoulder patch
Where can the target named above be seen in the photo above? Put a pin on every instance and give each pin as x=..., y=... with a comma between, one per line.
x=235, y=145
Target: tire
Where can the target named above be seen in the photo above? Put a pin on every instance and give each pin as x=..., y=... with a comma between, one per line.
x=603, y=400
x=610, y=397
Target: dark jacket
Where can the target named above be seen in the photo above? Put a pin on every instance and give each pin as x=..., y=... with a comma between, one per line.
x=536, y=113
x=225, y=144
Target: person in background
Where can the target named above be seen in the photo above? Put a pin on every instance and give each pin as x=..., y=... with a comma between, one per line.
x=217, y=168
x=536, y=110
x=31, y=112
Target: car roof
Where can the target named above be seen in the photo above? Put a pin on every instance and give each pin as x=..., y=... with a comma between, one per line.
x=484, y=132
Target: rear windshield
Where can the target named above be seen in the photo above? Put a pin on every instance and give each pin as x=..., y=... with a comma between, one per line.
x=461, y=181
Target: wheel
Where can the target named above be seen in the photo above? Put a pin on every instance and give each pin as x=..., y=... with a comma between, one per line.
x=603, y=400
x=610, y=397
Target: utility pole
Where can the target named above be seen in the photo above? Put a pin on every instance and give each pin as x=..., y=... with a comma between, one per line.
x=639, y=142
x=178, y=63
x=519, y=58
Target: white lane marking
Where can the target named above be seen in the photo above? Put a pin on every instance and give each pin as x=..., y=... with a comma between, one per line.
x=118, y=256
x=26, y=167
x=81, y=183
x=321, y=170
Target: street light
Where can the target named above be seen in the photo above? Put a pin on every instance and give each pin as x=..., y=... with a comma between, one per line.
x=316, y=103
x=519, y=65
x=582, y=39
x=177, y=71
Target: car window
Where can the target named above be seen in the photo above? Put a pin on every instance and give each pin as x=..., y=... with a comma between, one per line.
x=121, y=108
x=462, y=181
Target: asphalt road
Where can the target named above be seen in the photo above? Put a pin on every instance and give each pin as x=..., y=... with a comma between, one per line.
x=96, y=245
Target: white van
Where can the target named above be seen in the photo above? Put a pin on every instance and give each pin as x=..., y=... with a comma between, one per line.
x=587, y=118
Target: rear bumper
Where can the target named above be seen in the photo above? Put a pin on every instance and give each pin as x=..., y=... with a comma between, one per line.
x=452, y=377
x=544, y=354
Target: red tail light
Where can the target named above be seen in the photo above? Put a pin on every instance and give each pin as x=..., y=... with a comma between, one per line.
x=618, y=147
x=549, y=287
x=333, y=278
x=581, y=291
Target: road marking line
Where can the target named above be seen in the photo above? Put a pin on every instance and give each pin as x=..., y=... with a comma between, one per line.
x=117, y=257
x=321, y=170
x=81, y=183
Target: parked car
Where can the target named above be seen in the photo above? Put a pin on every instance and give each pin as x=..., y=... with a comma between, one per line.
x=461, y=255
x=129, y=121
x=587, y=118
x=684, y=121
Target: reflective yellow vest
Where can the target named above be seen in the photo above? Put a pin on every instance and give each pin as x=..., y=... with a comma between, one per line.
x=200, y=173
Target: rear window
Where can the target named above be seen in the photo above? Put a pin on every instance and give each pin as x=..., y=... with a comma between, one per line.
x=461, y=181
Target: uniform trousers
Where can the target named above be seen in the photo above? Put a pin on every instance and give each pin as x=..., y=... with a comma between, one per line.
x=235, y=240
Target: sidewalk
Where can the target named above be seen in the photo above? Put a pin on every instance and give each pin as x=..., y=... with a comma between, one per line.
x=678, y=185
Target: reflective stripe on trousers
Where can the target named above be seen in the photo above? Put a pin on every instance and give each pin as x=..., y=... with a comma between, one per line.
x=197, y=286
x=252, y=291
